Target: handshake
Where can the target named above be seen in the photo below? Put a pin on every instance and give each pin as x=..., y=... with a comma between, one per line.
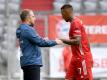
x=58, y=41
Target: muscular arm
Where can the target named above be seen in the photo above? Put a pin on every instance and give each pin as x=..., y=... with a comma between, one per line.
x=74, y=41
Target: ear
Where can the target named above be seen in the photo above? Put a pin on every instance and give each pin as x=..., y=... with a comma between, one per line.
x=28, y=18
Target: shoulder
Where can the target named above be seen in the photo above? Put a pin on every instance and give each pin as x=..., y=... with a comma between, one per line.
x=77, y=21
x=25, y=27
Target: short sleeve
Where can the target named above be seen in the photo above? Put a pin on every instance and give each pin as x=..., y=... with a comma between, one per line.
x=76, y=29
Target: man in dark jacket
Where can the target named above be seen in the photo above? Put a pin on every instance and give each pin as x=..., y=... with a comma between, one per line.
x=30, y=41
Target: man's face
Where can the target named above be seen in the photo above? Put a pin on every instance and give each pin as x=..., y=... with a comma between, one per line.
x=67, y=14
x=31, y=18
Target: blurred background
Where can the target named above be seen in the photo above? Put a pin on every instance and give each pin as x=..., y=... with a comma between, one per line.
x=49, y=23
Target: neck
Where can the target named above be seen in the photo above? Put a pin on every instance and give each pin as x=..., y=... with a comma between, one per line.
x=25, y=22
x=70, y=19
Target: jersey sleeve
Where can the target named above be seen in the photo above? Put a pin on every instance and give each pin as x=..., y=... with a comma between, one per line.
x=76, y=29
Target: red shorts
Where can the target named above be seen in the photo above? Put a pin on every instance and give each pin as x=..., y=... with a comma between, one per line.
x=79, y=70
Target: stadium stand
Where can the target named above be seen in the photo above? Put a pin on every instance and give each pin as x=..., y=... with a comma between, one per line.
x=76, y=5
x=58, y=3
x=8, y=21
x=103, y=5
x=90, y=5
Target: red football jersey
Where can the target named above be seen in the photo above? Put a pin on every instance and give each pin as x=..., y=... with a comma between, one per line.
x=82, y=50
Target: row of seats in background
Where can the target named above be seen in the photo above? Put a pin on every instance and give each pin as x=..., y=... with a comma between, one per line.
x=13, y=5
x=83, y=6
x=13, y=8
x=4, y=44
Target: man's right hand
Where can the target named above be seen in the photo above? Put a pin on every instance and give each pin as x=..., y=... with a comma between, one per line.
x=59, y=42
x=46, y=38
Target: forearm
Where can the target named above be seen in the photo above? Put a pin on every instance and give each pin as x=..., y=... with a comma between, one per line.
x=49, y=43
x=71, y=41
x=44, y=43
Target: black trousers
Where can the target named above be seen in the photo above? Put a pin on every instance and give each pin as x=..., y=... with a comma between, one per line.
x=31, y=72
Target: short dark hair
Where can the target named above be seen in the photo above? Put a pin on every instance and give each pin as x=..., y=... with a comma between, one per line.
x=24, y=14
x=66, y=6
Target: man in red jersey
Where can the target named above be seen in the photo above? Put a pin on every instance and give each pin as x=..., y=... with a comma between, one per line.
x=82, y=61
